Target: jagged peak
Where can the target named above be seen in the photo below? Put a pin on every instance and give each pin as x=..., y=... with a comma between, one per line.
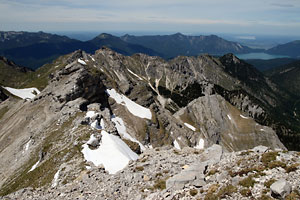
x=76, y=55
x=230, y=58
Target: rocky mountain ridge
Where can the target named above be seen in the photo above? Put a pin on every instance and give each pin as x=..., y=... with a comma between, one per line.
x=91, y=99
x=168, y=173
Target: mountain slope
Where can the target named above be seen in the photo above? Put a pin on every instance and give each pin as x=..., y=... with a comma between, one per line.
x=178, y=44
x=287, y=77
x=264, y=65
x=141, y=102
x=291, y=49
x=11, y=74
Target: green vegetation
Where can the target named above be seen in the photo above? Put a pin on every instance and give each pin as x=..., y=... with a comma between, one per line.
x=160, y=184
x=12, y=76
x=193, y=192
x=275, y=164
x=210, y=195
x=247, y=182
x=245, y=171
x=246, y=192
x=44, y=173
x=158, y=174
x=245, y=153
x=292, y=168
x=294, y=195
x=268, y=157
x=226, y=191
x=212, y=172
x=139, y=168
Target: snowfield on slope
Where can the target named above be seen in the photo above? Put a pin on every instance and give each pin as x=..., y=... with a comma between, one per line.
x=26, y=93
x=120, y=126
x=133, y=107
x=113, y=153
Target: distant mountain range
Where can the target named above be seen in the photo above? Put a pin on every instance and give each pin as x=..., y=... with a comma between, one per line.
x=179, y=44
x=35, y=49
x=291, y=49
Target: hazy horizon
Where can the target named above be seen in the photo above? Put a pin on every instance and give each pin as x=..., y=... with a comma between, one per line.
x=268, y=17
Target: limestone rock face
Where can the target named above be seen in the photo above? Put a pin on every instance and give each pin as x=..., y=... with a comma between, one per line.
x=219, y=122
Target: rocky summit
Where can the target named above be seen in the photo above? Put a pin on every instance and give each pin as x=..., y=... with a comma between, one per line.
x=108, y=126
x=167, y=173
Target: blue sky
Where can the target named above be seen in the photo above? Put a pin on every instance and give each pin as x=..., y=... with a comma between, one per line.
x=275, y=17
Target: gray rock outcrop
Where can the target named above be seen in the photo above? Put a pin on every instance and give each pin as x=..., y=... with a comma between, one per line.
x=280, y=189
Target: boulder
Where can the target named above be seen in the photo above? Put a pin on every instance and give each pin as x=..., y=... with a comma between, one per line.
x=193, y=175
x=213, y=154
x=280, y=189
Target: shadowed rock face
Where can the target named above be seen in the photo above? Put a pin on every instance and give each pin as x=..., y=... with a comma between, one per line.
x=3, y=96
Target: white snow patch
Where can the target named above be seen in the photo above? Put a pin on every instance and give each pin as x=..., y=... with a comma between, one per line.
x=262, y=129
x=81, y=61
x=34, y=166
x=26, y=93
x=135, y=74
x=229, y=117
x=92, y=140
x=190, y=126
x=55, y=180
x=88, y=167
x=176, y=145
x=200, y=145
x=113, y=153
x=179, y=138
x=242, y=116
x=96, y=125
x=102, y=124
x=133, y=107
x=90, y=114
x=120, y=126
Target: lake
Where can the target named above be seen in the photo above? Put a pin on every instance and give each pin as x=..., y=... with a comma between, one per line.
x=263, y=56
